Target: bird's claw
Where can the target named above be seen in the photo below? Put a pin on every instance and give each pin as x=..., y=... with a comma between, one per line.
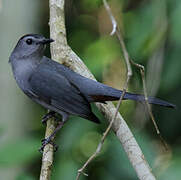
x=47, y=116
x=48, y=141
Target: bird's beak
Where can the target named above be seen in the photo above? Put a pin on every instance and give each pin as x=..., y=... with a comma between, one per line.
x=46, y=41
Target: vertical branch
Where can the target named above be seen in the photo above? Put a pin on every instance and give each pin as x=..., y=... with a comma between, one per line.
x=55, y=7
x=47, y=159
x=57, y=30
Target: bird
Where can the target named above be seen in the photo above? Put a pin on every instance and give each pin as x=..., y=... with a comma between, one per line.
x=57, y=87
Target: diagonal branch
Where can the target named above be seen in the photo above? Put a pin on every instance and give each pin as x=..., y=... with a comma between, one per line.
x=63, y=53
x=129, y=74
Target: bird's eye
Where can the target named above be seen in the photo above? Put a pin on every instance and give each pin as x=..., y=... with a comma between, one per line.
x=29, y=41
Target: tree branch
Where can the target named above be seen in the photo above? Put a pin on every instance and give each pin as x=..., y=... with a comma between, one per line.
x=63, y=54
x=47, y=158
x=115, y=30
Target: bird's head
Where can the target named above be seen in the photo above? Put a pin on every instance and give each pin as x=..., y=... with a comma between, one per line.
x=30, y=45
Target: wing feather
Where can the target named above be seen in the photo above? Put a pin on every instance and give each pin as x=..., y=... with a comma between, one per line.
x=49, y=84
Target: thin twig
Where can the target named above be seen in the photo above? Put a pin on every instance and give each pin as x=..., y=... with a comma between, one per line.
x=99, y=147
x=129, y=74
x=114, y=23
x=142, y=72
x=155, y=62
x=115, y=29
x=141, y=67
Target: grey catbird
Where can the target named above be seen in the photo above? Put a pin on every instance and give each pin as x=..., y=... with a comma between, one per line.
x=58, y=88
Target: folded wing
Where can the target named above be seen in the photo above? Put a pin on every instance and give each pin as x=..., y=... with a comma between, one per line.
x=53, y=88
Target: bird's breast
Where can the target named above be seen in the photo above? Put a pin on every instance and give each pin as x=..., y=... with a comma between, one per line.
x=22, y=72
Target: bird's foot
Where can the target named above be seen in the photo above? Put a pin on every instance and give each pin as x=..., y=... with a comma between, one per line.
x=48, y=141
x=47, y=116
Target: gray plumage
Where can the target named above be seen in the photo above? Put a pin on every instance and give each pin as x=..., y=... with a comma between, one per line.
x=58, y=88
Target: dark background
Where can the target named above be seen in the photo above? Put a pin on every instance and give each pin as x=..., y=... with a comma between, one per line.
x=151, y=30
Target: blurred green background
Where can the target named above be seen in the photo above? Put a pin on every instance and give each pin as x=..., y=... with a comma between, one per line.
x=151, y=29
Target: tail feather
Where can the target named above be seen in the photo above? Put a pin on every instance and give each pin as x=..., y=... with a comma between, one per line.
x=114, y=94
x=151, y=100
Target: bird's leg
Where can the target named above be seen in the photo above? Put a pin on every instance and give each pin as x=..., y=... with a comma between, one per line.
x=48, y=140
x=47, y=116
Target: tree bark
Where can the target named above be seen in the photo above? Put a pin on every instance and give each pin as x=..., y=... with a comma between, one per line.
x=62, y=53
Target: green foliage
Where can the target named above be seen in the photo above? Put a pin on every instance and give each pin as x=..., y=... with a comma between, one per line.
x=173, y=170
x=19, y=151
x=172, y=74
x=176, y=23
x=90, y=5
x=25, y=177
x=101, y=53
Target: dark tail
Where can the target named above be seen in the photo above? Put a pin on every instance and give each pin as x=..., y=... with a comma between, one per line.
x=111, y=94
x=151, y=100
